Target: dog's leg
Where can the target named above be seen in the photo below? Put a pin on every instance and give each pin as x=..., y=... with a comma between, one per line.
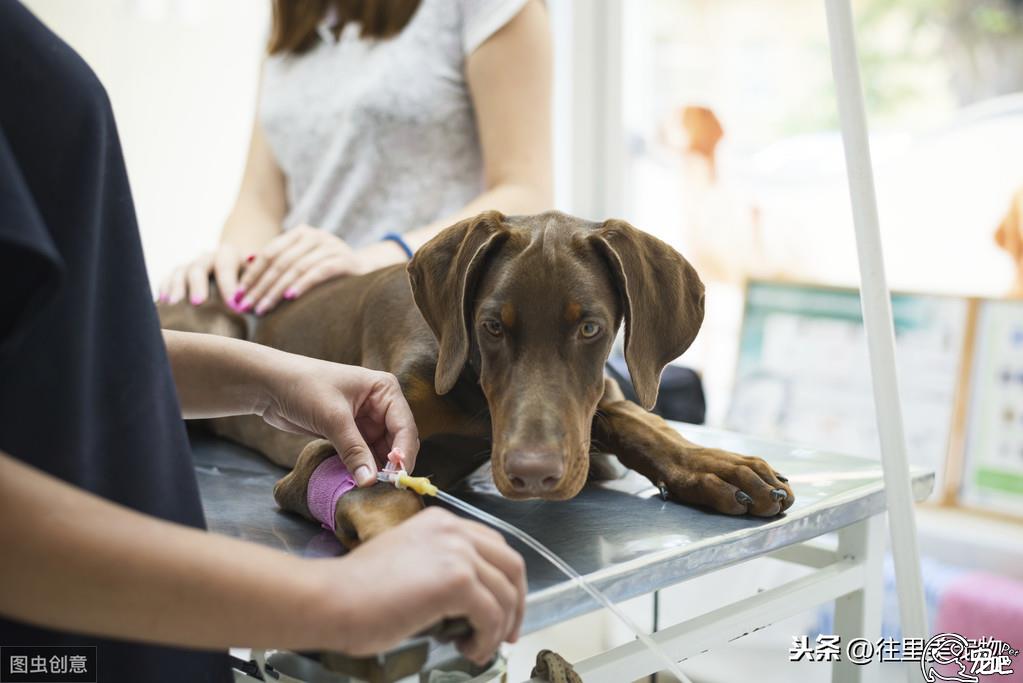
x=364, y=513
x=451, y=449
x=210, y=317
x=213, y=317
x=280, y=447
x=726, y=482
x=361, y=514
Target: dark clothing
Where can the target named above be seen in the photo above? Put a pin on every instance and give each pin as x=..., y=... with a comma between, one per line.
x=86, y=392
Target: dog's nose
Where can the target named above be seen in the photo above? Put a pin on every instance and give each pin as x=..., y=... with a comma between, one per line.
x=534, y=472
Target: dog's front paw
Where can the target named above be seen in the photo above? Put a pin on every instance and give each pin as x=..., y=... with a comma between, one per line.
x=359, y=514
x=728, y=483
x=362, y=514
x=290, y=491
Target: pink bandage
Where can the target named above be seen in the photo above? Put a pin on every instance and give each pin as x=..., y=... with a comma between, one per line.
x=329, y=482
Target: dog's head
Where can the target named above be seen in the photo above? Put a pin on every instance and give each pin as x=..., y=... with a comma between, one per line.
x=534, y=303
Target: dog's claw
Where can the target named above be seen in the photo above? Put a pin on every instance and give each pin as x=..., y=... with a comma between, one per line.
x=743, y=498
x=782, y=479
x=779, y=494
x=663, y=488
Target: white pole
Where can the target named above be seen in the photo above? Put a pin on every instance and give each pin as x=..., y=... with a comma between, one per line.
x=877, y=319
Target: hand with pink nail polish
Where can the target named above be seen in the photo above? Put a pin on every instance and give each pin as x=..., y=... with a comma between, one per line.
x=291, y=263
x=192, y=279
x=301, y=258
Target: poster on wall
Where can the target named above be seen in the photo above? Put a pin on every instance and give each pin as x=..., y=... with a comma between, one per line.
x=803, y=373
x=993, y=471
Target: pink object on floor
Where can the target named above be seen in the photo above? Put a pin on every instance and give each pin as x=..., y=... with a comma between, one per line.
x=981, y=605
x=329, y=482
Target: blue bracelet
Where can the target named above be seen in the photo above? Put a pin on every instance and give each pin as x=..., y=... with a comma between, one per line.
x=400, y=241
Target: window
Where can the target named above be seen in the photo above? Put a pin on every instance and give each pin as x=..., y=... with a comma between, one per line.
x=731, y=145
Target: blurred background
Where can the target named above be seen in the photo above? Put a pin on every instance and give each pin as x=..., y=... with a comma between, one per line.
x=712, y=124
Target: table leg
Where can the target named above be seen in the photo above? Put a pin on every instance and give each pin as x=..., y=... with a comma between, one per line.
x=877, y=320
x=858, y=614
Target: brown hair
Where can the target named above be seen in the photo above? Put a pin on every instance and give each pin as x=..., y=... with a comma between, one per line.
x=295, y=21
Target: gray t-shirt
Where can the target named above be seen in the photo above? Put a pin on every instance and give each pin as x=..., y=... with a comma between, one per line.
x=378, y=136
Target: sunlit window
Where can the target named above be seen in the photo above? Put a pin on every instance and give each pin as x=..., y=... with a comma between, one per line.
x=733, y=151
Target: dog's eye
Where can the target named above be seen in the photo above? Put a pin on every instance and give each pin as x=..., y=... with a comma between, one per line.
x=493, y=327
x=589, y=330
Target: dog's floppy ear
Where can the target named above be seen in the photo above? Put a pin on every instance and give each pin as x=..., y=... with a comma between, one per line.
x=662, y=297
x=444, y=274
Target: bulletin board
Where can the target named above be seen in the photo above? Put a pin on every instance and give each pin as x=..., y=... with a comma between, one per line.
x=992, y=476
x=803, y=373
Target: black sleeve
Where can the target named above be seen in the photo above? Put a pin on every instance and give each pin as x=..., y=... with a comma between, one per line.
x=30, y=267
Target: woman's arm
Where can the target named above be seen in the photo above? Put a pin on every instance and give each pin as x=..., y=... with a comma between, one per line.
x=81, y=563
x=255, y=219
x=258, y=212
x=84, y=564
x=362, y=412
x=509, y=79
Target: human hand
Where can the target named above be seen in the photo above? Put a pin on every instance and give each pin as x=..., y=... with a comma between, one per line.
x=297, y=260
x=361, y=412
x=465, y=569
x=193, y=279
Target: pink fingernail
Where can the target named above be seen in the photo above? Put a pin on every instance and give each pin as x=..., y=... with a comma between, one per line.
x=196, y=300
x=238, y=294
x=164, y=298
x=263, y=307
x=290, y=293
x=250, y=258
x=362, y=475
x=246, y=305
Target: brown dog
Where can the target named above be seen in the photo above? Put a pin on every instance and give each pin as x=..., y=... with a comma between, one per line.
x=499, y=345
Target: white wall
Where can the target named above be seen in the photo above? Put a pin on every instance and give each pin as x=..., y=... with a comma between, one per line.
x=182, y=77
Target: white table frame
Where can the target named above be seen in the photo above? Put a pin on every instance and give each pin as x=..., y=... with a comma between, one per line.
x=851, y=575
x=878, y=323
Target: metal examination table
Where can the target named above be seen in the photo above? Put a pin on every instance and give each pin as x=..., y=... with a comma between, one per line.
x=629, y=542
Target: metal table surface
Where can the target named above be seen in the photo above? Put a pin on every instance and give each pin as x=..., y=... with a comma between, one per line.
x=619, y=534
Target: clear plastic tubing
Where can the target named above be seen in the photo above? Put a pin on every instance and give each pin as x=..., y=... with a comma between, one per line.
x=579, y=581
